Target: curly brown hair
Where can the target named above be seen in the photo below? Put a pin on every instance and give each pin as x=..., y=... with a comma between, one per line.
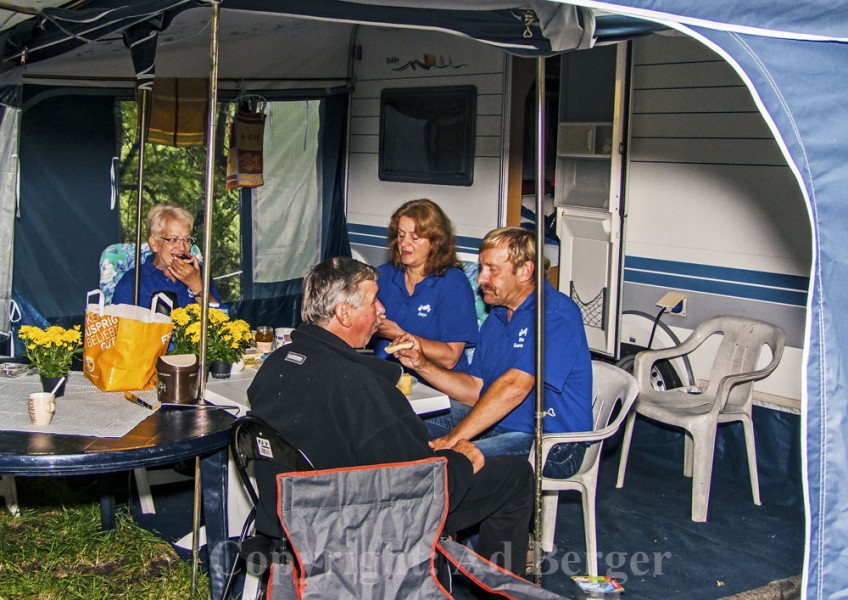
x=432, y=224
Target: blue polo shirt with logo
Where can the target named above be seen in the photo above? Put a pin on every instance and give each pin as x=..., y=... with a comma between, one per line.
x=152, y=281
x=511, y=344
x=440, y=308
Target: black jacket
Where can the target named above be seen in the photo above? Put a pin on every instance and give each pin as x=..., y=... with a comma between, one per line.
x=342, y=409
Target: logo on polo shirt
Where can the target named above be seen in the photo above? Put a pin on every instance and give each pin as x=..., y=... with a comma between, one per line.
x=522, y=334
x=424, y=310
x=294, y=357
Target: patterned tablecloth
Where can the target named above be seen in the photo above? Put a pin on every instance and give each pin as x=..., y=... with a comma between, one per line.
x=83, y=410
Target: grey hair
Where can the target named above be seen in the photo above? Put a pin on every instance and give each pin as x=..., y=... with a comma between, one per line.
x=160, y=214
x=333, y=282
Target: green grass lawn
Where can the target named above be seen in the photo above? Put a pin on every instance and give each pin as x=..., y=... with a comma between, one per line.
x=56, y=550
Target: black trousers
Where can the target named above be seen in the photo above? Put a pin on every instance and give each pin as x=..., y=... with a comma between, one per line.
x=501, y=502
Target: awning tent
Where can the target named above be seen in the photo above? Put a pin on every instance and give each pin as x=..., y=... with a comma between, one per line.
x=790, y=55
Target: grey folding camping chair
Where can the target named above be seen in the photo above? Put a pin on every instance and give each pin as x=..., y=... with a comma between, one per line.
x=374, y=532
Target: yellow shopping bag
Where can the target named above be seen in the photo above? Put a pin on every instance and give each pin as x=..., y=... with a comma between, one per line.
x=122, y=343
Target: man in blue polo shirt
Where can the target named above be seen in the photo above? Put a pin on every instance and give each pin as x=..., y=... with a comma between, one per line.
x=494, y=402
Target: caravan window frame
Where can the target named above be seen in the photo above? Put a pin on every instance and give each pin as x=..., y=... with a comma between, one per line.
x=460, y=170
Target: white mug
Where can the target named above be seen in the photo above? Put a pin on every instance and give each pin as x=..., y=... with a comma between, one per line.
x=282, y=336
x=42, y=405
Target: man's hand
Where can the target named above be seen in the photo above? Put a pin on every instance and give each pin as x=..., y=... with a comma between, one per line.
x=411, y=358
x=446, y=442
x=471, y=452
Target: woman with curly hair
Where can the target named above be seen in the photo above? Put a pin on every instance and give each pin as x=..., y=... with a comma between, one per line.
x=424, y=289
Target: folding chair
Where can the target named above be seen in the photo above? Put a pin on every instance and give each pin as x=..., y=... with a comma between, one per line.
x=252, y=440
x=375, y=532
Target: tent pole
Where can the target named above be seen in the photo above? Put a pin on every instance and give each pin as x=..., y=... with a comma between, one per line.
x=540, y=308
x=207, y=266
x=142, y=140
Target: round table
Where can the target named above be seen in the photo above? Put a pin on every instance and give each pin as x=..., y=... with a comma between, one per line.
x=169, y=435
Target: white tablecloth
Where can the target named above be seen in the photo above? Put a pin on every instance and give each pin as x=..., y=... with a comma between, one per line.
x=83, y=410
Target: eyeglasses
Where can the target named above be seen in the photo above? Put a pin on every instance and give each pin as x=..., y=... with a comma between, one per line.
x=175, y=240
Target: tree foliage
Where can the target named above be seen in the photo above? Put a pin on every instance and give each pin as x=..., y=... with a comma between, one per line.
x=178, y=175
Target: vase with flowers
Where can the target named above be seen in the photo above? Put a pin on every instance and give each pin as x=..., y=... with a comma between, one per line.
x=226, y=339
x=51, y=352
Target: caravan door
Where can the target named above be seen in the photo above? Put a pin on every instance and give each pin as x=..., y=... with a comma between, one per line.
x=588, y=189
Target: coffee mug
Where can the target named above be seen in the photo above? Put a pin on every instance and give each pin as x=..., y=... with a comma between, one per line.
x=282, y=336
x=42, y=405
x=405, y=384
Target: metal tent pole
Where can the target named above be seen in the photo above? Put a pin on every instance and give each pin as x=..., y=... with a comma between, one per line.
x=540, y=308
x=141, y=118
x=207, y=266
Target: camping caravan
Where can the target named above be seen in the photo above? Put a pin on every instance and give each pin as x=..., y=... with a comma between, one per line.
x=713, y=166
x=695, y=199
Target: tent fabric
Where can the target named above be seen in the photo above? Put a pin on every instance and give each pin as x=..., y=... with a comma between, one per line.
x=286, y=240
x=816, y=20
x=54, y=272
x=9, y=125
x=792, y=71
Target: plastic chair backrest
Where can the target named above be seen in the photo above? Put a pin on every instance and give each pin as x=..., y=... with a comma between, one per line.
x=739, y=352
x=611, y=387
x=117, y=259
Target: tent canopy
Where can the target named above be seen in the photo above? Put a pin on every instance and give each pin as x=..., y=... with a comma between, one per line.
x=790, y=55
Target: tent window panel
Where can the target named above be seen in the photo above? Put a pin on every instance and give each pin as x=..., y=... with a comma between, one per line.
x=427, y=135
x=287, y=208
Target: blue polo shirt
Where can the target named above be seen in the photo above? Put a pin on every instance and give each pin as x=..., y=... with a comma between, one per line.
x=152, y=281
x=440, y=308
x=511, y=344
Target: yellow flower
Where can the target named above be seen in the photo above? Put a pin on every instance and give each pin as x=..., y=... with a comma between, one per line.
x=217, y=317
x=225, y=339
x=180, y=316
x=51, y=350
x=193, y=332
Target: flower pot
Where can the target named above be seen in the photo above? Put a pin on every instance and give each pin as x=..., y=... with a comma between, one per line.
x=48, y=383
x=220, y=369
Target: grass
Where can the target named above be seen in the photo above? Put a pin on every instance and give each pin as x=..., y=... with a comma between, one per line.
x=56, y=550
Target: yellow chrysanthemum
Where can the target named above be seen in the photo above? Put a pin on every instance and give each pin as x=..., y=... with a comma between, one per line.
x=180, y=317
x=51, y=350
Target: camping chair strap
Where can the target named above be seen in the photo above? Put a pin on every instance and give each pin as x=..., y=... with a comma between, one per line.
x=489, y=576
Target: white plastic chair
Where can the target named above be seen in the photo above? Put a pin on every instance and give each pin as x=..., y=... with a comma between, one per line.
x=610, y=386
x=9, y=492
x=728, y=397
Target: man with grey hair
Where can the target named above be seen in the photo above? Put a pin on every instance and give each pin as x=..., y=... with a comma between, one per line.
x=343, y=409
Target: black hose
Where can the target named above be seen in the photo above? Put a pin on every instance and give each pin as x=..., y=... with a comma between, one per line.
x=654, y=328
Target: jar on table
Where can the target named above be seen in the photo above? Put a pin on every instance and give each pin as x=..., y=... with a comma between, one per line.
x=264, y=339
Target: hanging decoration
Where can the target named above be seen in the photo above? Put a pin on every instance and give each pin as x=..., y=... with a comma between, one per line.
x=246, y=134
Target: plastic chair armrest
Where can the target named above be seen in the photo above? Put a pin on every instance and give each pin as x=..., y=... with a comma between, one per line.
x=728, y=382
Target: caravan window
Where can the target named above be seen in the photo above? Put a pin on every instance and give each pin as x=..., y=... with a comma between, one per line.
x=427, y=135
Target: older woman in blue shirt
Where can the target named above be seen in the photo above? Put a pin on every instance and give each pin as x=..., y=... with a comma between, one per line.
x=171, y=268
x=424, y=289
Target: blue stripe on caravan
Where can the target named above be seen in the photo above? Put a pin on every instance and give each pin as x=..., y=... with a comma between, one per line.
x=746, y=288
x=368, y=229
x=371, y=235
x=365, y=240
x=792, y=282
